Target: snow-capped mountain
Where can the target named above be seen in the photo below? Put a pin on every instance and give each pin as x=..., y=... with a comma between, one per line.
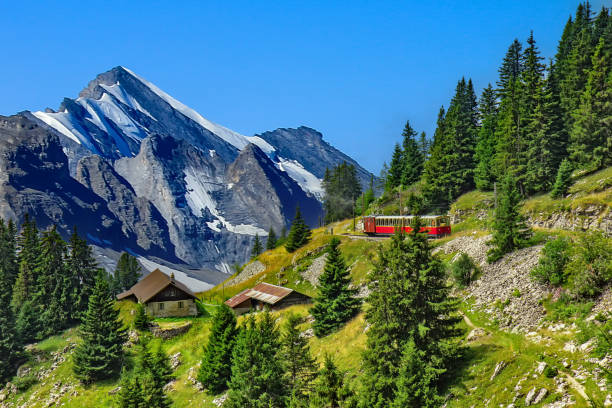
x=174, y=185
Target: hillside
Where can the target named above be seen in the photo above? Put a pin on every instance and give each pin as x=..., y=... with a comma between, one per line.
x=520, y=341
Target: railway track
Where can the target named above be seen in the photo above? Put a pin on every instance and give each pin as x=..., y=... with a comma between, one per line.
x=363, y=237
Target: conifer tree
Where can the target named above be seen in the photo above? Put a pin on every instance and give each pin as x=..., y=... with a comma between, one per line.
x=55, y=284
x=410, y=301
x=335, y=303
x=563, y=181
x=257, y=378
x=83, y=268
x=424, y=146
x=300, y=367
x=100, y=355
x=257, y=247
x=216, y=366
x=27, y=322
x=26, y=285
x=8, y=254
x=485, y=148
x=342, y=188
x=10, y=342
x=271, y=242
x=127, y=272
x=412, y=157
x=141, y=321
x=299, y=234
x=591, y=135
x=416, y=384
x=509, y=229
x=396, y=168
x=329, y=387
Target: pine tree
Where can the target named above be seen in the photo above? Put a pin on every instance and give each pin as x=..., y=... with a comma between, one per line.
x=329, y=386
x=83, y=268
x=509, y=229
x=396, y=168
x=26, y=285
x=411, y=157
x=271, y=242
x=8, y=254
x=55, y=284
x=485, y=147
x=215, y=369
x=299, y=234
x=130, y=394
x=563, y=181
x=100, y=355
x=424, y=146
x=10, y=342
x=335, y=303
x=257, y=378
x=28, y=323
x=410, y=301
x=127, y=272
x=257, y=247
x=416, y=384
x=300, y=367
x=141, y=320
x=342, y=188
x=591, y=135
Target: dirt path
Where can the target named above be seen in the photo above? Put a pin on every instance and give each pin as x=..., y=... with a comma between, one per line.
x=578, y=387
x=469, y=322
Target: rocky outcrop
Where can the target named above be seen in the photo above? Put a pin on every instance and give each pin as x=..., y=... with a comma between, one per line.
x=252, y=269
x=591, y=217
x=306, y=146
x=137, y=214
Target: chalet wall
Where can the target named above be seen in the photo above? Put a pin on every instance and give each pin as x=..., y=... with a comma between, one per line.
x=171, y=308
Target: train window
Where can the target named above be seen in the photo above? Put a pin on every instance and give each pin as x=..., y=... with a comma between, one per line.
x=444, y=221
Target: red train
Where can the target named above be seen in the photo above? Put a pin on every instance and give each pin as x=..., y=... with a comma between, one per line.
x=436, y=226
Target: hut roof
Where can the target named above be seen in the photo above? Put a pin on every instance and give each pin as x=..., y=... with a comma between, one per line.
x=152, y=284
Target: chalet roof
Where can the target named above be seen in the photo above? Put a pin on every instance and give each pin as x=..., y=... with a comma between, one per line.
x=264, y=292
x=152, y=284
x=238, y=299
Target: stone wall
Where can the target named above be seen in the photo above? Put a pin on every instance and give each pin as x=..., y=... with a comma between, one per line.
x=171, y=308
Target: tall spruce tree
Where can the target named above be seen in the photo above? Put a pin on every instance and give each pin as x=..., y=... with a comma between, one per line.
x=257, y=247
x=412, y=158
x=335, y=303
x=509, y=229
x=9, y=266
x=300, y=366
x=100, y=355
x=216, y=366
x=55, y=284
x=10, y=342
x=271, y=241
x=28, y=244
x=410, y=301
x=83, y=268
x=396, y=168
x=329, y=390
x=485, y=147
x=257, y=378
x=591, y=134
x=127, y=272
x=563, y=180
x=299, y=234
x=342, y=188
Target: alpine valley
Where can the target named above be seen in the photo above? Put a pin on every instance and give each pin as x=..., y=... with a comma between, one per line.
x=136, y=170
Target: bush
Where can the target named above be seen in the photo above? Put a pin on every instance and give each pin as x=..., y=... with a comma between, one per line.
x=551, y=372
x=202, y=312
x=464, y=270
x=590, y=269
x=24, y=383
x=141, y=321
x=551, y=268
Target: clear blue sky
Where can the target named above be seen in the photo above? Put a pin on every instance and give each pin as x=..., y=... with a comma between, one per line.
x=354, y=70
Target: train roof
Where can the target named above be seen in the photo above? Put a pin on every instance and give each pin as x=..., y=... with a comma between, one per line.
x=407, y=216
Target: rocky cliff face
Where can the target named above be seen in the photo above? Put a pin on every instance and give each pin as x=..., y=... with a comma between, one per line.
x=135, y=169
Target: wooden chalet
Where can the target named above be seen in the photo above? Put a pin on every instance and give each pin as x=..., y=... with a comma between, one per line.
x=266, y=295
x=162, y=296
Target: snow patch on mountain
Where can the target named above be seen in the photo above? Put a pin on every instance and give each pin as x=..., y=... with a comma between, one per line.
x=308, y=181
x=125, y=98
x=64, y=124
x=236, y=139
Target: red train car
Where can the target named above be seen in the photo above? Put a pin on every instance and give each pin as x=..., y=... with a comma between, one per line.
x=435, y=226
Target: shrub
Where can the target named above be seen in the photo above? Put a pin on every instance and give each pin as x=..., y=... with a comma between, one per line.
x=590, y=269
x=141, y=321
x=550, y=372
x=551, y=268
x=24, y=383
x=464, y=270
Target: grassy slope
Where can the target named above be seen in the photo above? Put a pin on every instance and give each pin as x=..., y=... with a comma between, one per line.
x=470, y=383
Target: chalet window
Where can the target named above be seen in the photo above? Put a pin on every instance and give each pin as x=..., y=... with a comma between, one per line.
x=180, y=305
x=161, y=306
